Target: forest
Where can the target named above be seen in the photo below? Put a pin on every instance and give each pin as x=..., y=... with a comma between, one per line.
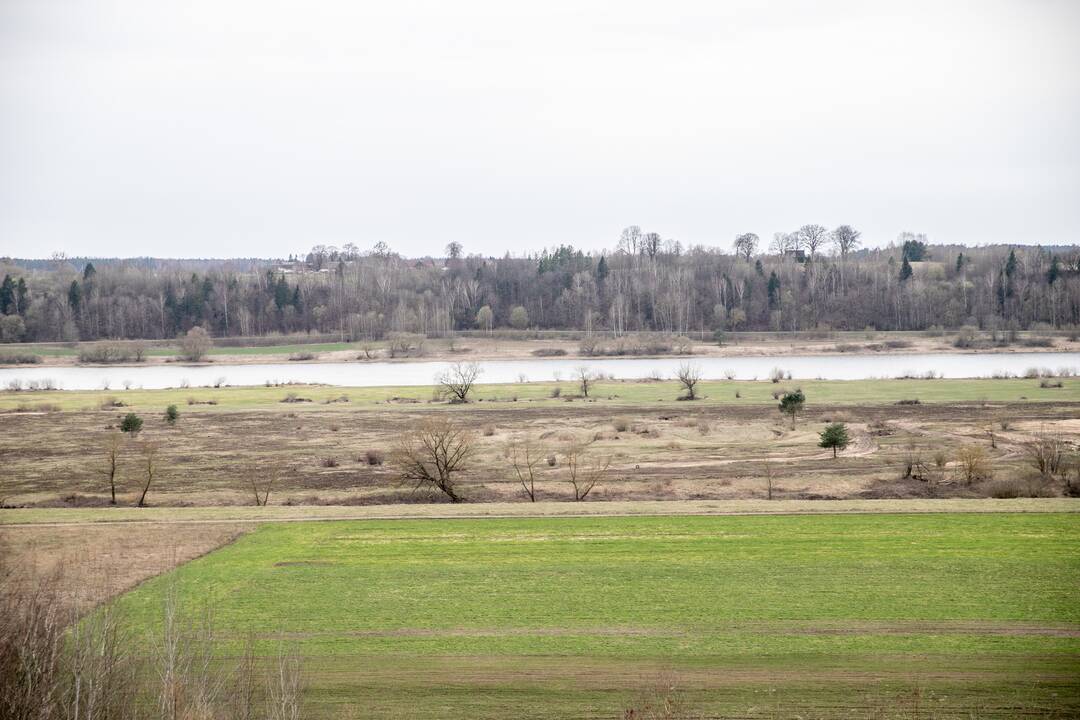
x=810, y=279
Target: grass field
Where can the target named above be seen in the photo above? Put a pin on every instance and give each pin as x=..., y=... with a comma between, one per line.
x=629, y=392
x=946, y=615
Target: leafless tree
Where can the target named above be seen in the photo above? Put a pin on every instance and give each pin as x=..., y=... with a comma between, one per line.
x=458, y=379
x=1046, y=453
x=746, y=245
x=846, y=239
x=433, y=453
x=585, y=377
x=195, y=344
x=785, y=242
x=149, y=451
x=583, y=471
x=261, y=486
x=689, y=375
x=813, y=237
x=972, y=464
x=114, y=445
x=769, y=476
x=285, y=686
x=525, y=455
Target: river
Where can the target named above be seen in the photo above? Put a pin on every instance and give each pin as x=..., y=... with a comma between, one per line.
x=382, y=374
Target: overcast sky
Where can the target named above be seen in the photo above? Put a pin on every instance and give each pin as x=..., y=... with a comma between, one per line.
x=228, y=128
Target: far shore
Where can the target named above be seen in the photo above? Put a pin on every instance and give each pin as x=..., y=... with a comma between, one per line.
x=493, y=348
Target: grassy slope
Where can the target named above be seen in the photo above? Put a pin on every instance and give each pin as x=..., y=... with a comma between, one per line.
x=755, y=615
x=821, y=392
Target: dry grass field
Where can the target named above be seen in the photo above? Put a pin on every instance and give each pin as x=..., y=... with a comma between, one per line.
x=336, y=453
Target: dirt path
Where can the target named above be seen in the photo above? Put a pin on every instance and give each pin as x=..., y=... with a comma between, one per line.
x=49, y=517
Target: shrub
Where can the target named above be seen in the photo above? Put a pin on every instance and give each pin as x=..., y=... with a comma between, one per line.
x=489, y=430
x=19, y=359
x=912, y=401
x=405, y=344
x=112, y=352
x=549, y=352
x=131, y=423
x=374, y=457
x=621, y=424
x=1045, y=384
x=195, y=344
x=330, y=462
x=972, y=464
x=171, y=414
x=897, y=344
x=301, y=356
x=966, y=338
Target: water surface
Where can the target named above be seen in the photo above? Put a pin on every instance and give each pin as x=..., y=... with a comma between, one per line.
x=382, y=374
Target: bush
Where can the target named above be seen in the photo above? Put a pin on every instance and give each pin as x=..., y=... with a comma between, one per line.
x=374, y=457
x=405, y=344
x=131, y=423
x=19, y=359
x=301, y=356
x=112, y=352
x=195, y=344
x=171, y=414
x=489, y=430
x=330, y=462
x=621, y=424
x=1045, y=384
x=549, y=352
x=966, y=338
x=912, y=401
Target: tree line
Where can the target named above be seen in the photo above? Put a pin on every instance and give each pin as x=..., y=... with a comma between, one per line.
x=812, y=278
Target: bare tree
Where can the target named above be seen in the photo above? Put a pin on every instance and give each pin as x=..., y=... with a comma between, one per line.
x=458, y=379
x=770, y=474
x=813, y=237
x=433, y=454
x=584, y=471
x=149, y=450
x=689, y=375
x=972, y=464
x=285, y=686
x=746, y=245
x=1046, y=453
x=525, y=455
x=846, y=239
x=114, y=445
x=585, y=377
x=262, y=489
x=195, y=344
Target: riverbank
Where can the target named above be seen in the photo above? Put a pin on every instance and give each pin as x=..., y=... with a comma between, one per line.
x=474, y=347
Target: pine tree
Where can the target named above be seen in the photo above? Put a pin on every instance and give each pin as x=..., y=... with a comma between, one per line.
x=905, y=270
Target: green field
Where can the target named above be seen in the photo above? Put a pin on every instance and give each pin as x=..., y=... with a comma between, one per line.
x=945, y=615
x=735, y=392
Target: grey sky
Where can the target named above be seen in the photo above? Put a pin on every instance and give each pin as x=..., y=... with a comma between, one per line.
x=227, y=128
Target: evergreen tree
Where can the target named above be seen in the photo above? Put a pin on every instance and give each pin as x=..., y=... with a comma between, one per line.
x=774, y=289
x=74, y=295
x=7, y=295
x=905, y=270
